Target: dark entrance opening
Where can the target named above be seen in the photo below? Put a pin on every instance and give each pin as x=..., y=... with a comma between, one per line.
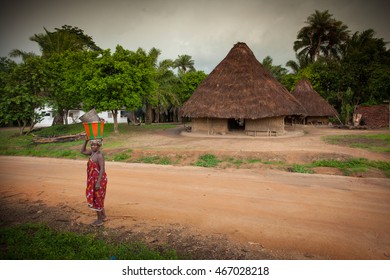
x=236, y=124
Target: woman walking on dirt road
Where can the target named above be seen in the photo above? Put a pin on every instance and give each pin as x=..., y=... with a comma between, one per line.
x=96, y=180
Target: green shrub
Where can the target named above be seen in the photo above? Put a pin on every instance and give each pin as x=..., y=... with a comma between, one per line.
x=298, y=168
x=207, y=160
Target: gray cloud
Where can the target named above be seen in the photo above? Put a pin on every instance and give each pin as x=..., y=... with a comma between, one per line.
x=206, y=30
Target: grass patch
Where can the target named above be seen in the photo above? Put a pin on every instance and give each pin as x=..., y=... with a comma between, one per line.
x=233, y=161
x=299, y=168
x=39, y=242
x=210, y=160
x=60, y=130
x=348, y=167
x=354, y=165
x=154, y=160
x=268, y=162
x=123, y=156
x=154, y=127
x=207, y=160
x=373, y=142
x=13, y=144
x=254, y=160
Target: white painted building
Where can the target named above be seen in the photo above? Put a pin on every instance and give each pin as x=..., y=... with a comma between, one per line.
x=73, y=116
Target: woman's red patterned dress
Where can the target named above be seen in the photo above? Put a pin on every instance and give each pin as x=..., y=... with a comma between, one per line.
x=95, y=198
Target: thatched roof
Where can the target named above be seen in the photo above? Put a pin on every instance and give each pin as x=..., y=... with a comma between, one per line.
x=314, y=103
x=240, y=87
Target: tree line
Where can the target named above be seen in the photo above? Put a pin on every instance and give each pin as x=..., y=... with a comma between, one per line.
x=347, y=69
x=73, y=72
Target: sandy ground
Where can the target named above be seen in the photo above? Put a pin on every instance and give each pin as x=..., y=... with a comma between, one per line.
x=216, y=213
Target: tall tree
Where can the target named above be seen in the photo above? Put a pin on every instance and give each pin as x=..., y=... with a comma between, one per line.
x=22, y=93
x=301, y=62
x=151, y=99
x=184, y=63
x=54, y=45
x=276, y=70
x=66, y=38
x=189, y=83
x=167, y=98
x=22, y=54
x=322, y=36
x=63, y=73
x=6, y=67
x=116, y=81
x=365, y=68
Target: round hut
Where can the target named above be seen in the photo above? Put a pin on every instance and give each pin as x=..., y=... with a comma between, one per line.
x=318, y=109
x=240, y=94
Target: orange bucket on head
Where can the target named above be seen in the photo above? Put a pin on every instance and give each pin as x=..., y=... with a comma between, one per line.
x=94, y=130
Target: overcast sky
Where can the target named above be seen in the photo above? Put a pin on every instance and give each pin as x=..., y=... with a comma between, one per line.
x=203, y=29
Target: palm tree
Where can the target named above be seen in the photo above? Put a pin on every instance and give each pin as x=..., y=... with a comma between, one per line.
x=61, y=40
x=66, y=38
x=365, y=39
x=301, y=63
x=338, y=35
x=184, y=63
x=153, y=54
x=21, y=54
x=366, y=65
x=167, y=98
x=322, y=36
x=276, y=70
x=164, y=97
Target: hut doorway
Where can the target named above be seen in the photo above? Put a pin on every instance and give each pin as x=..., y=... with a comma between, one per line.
x=236, y=124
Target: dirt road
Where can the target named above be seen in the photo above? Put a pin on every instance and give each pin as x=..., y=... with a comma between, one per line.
x=269, y=213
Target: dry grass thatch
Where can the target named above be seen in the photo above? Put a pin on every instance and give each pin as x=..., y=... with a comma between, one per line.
x=314, y=103
x=240, y=87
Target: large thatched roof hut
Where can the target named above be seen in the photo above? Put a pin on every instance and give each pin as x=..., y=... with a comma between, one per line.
x=317, y=108
x=240, y=93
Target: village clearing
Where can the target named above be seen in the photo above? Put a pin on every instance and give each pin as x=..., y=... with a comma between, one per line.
x=215, y=213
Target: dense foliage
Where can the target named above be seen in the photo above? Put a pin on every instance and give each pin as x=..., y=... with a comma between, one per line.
x=22, y=91
x=347, y=70
x=74, y=73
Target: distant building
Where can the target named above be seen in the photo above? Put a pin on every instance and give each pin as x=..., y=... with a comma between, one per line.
x=73, y=116
x=318, y=109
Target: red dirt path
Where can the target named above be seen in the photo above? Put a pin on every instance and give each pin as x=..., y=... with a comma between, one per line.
x=244, y=213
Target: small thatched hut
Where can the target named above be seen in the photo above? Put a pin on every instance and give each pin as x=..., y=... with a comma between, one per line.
x=240, y=94
x=317, y=108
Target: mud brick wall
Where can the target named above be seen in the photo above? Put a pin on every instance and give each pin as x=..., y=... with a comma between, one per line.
x=375, y=116
x=265, y=124
x=210, y=125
